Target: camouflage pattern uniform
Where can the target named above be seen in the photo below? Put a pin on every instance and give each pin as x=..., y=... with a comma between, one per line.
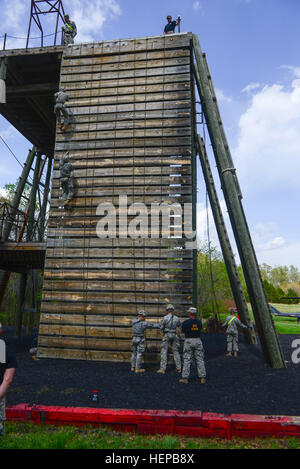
x=60, y=109
x=193, y=347
x=70, y=31
x=232, y=335
x=169, y=325
x=2, y=415
x=138, y=343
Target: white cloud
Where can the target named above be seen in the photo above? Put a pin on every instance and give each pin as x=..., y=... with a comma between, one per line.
x=250, y=87
x=295, y=70
x=274, y=243
x=288, y=254
x=222, y=97
x=91, y=16
x=197, y=6
x=206, y=229
x=12, y=22
x=268, y=149
x=3, y=192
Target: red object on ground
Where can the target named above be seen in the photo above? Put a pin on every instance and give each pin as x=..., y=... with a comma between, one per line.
x=188, y=423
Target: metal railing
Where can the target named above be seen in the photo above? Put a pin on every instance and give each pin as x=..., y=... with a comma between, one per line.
x=6, y=36
x=18, y=220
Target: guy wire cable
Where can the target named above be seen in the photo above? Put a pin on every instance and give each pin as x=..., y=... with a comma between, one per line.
x=113, y=244
x=134, y=239
x=91, y=191
x=87, y=230
x=144, y=185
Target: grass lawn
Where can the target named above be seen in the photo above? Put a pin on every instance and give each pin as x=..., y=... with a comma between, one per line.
x=29, y=436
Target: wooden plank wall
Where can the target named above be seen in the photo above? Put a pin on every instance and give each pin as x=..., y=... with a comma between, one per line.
x=131, y=105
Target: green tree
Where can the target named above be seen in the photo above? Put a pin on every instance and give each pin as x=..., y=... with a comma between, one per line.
x=213, y=283
x=279, y=275
x=293, y=274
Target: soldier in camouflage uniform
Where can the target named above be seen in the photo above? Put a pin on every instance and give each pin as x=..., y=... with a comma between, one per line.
x=60, y=109
x=193, y=347
x=138, y=344
x=70, y=31
x=8, y=364
x=233, y=324
x=169, y=325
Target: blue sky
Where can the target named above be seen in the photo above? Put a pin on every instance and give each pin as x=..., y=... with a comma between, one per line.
x=252, y=48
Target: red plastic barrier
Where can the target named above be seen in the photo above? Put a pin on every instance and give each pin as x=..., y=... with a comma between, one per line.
x=188, y=423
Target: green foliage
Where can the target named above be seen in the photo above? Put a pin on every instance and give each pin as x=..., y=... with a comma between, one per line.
x=214, y=289
x=273, y=293
x=291, y=293
x=213, y=283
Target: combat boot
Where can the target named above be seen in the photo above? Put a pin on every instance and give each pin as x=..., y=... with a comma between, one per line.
x=161, y=371
x=235, y=354
x=184, y=380
x=228, y=354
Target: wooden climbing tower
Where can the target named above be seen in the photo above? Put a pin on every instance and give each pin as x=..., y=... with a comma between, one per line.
x=130, y=145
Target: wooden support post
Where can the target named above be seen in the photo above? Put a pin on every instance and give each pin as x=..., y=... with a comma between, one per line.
x=4, y=276
x=33, y=309
x=45, y=200
x=32, y=203
x=3, y=73
x=19, y=190
x=4, y=41
x=3, y=68
x=263, y=319
x=22, y=293
x=227, y=252
x=194, y=189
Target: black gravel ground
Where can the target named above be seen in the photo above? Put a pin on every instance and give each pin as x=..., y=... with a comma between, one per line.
x=234, y=385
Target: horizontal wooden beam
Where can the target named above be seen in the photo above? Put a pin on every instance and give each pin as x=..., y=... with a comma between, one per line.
x=36, y=89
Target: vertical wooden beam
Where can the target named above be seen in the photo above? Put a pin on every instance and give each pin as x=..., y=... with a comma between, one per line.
x=4, y=276
x=22, y=294
x=265, y=326
x=45, y=200
x=33, y=309
x=32, y=201
x=19, y=191
x=227, y=252
x=194, y=185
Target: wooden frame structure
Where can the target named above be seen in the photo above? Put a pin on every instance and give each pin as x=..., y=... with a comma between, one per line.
x=40, y=8
x=131, y=138
x=133, y=134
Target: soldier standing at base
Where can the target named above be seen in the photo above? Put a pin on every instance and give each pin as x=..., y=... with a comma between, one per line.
x=232, y=335
x=169, y=326
x=138, y=344
x=193, y=347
